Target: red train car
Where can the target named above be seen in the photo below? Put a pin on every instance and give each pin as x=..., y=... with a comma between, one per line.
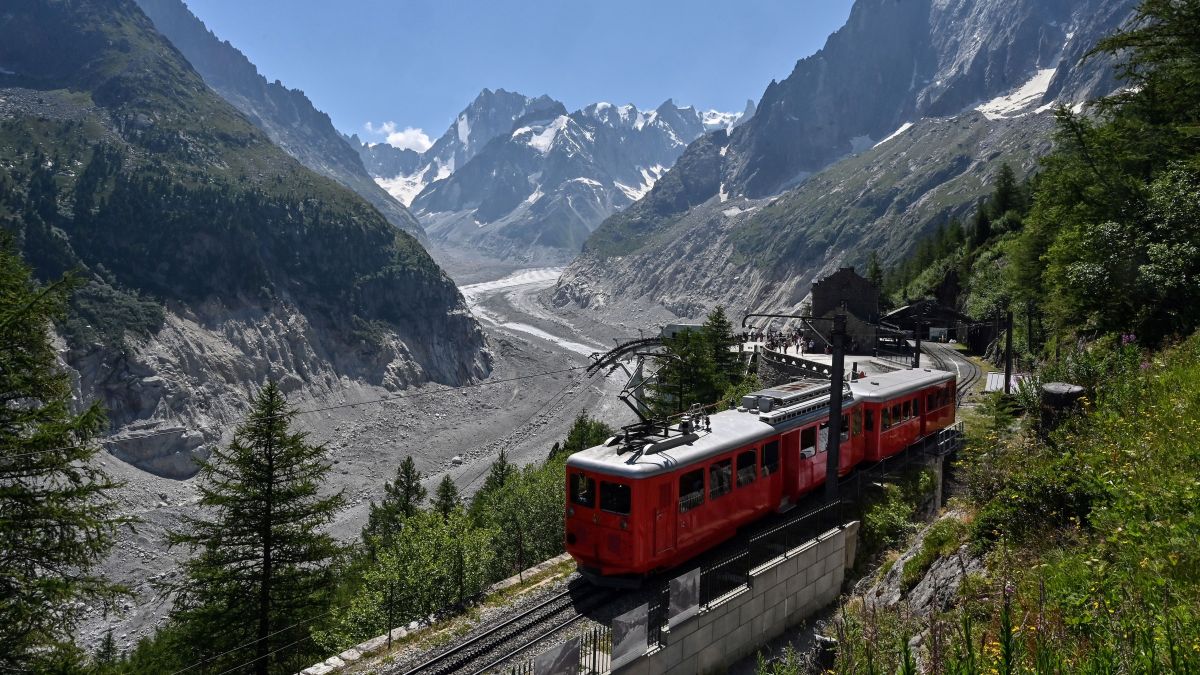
x=635, y=506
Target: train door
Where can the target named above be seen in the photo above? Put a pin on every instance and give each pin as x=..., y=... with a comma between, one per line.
x=690, y=506
x=664, y=519
x=793, y=464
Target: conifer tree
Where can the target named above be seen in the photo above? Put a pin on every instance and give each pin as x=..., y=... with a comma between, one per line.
x=401, y=499
x=875, y=271
x=446, y=498
x=56, y=518
x=718, y=329
x=262, y=566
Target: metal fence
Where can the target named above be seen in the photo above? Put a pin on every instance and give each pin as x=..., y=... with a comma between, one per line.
x=595, y=654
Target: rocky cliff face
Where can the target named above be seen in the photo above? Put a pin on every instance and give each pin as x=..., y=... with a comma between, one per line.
x=897, y=124
x=286, y=115
x=898, y=62
x=211, y=259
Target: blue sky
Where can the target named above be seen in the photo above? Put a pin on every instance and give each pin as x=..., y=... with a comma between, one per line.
x=417, y=63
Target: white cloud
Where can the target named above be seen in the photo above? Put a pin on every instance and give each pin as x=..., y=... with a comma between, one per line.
x=407, y=138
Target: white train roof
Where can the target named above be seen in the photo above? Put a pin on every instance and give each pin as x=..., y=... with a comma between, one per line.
x=731, y=429
x=897, y=383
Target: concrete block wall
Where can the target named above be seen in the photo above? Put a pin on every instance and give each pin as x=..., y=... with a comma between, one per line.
x=782, y=593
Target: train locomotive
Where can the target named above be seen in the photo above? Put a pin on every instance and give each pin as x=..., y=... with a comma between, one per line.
x=644, y=502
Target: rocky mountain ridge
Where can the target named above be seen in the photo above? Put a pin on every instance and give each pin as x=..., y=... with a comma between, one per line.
x=287, y=116
x=535, y=190
x=211, y=259
x=979, y=83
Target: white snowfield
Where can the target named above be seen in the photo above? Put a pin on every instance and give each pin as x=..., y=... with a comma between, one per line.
x=1018, y=102
x=903, y=128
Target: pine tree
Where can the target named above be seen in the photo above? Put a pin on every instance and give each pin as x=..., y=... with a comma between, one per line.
x=875, y=271
x=498, y=477
x=981, y=230
x=401, y=499
x=718, y=330
x=56, y=517
x=261, y=566
x=446, y=498
x=1007, y=194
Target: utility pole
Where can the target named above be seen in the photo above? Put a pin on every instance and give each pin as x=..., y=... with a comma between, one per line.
x=1008, y=319
x=833, y=446
x=916, y=361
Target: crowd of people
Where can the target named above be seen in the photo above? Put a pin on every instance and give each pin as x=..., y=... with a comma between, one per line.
x=792, y=339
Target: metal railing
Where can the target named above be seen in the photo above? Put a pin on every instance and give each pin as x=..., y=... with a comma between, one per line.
x=786, y=536
x=595, y=654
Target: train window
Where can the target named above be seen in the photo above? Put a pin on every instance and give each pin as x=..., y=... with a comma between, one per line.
x=907, y=411
x=770, y=458
x=808, y=442
x=870, y=423
x=845, y=430
x=823, y=437
x=896, y=418
x=583, y=490
x=720, y=478
x=615, y=497
x=747, y=467
x=917, y=407
x=691, y=490
x=931, y=401
x=885, y=419
x=858, y=428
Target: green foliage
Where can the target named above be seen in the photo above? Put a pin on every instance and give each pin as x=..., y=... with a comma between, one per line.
x=699, y=366
x=789, y=662
x=1092, y=531
x=446, y=500
x=401, y=500
x=57, y=519
x=431, y=565
x=586, y=432
x=888, y=514
x=261, y=565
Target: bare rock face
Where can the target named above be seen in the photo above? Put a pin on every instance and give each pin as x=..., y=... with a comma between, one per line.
x=935, y=591
x=899, y=123
x=174, y=396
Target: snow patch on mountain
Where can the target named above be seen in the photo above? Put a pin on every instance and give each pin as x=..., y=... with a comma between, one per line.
x=1017, y=103
x=715, y=119
x=903, y=128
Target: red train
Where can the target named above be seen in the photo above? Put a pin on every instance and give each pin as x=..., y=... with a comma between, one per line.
x=635, y=506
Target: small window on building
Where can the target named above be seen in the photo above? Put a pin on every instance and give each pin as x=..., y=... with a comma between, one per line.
x=870, y=423
x=858, y=423
x=583, y=490
x=770, y=458
x=691, y=490
x=720, y=478
x=615, y=497
x=747, y=467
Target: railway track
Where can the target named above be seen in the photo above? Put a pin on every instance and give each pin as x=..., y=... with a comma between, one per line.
x=965, y=371
x=500, y=643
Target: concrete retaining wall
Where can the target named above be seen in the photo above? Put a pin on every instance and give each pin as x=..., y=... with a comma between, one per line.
x=782, y=593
